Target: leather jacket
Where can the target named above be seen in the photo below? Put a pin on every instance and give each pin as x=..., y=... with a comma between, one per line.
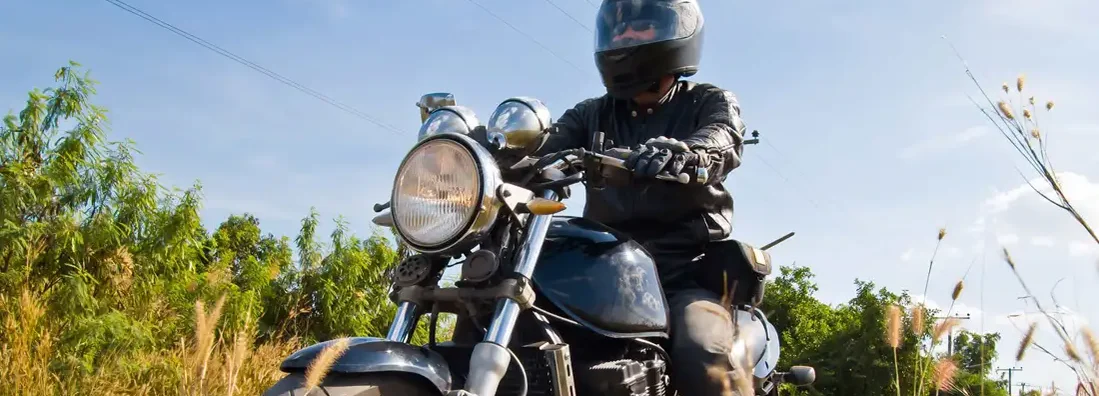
x=662, y=215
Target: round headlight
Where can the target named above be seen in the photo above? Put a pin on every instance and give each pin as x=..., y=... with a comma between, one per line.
x=521, y=121
x=453, y=119
x=443, y=193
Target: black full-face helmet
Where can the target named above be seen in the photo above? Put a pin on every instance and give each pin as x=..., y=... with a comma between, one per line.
x=639, y=41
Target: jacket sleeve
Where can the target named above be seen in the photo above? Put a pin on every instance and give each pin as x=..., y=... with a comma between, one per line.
x=571, y=130
x=720, y=138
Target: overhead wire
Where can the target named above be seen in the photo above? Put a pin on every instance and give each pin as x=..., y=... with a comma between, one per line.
x=252, y=65
x=528, y=36
x=581, y=24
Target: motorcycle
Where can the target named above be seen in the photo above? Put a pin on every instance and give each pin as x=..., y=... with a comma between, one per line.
x=572, y=306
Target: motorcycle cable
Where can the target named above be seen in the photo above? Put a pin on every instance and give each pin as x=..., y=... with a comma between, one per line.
x=522, y=372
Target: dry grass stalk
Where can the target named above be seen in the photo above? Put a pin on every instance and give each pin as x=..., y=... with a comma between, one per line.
x=945, y=370
x=318, y=369
x=943, y=328
x=1027, y=340
x=735, y=382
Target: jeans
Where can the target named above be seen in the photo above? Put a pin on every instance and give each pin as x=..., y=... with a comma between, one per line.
x=701, y=339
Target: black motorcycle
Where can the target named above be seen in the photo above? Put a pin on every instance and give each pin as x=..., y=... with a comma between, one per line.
x=565, y=305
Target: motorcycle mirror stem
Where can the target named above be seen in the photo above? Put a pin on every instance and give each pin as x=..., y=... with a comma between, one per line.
x=777, y=241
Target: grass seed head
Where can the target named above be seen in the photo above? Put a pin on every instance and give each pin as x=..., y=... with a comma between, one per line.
x=957, y=290
x=1027, y=340
x=1005, y=87
x=893, y=327
x=917, y=319
x=1070, y=350
x=1026, y=113
x=318, y=369
x=1005, y=110
x=1049, y=105
x=1092, y=344
x=945, y=370
x=943, y=328
x=942, y=233
x=1020, y=82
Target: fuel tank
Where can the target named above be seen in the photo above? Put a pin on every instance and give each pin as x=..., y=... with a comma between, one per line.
x=601, y=279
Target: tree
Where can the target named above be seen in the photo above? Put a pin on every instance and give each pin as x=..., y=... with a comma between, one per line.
x=101, y=267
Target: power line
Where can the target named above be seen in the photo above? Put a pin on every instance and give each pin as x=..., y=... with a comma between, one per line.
x=252, y=65
x=529, y=37
x=569, y=15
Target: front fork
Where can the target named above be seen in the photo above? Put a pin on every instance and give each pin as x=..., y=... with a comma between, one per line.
x=490, y=357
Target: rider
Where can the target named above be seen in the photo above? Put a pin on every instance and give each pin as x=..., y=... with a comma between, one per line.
x=642, y=49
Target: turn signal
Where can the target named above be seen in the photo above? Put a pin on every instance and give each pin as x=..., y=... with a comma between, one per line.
x=542, y=206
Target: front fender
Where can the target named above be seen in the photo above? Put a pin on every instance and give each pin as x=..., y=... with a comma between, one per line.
x=377, y=355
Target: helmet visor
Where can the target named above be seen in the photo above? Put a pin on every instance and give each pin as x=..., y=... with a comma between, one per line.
x=630, y=23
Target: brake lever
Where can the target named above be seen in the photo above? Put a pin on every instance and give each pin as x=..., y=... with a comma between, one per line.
x=380, y=207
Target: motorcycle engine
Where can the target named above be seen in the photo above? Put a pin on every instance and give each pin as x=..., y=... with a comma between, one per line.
x=629, y=378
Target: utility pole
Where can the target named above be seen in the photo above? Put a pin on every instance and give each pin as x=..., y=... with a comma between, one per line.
x=950, y=333
x=1009, y=371
x=1022, y=387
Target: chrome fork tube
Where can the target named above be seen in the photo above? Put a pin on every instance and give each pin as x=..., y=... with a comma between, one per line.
x=490, y=357
x=401, y=328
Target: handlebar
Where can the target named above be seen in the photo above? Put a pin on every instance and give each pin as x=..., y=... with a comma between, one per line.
x=614, y=161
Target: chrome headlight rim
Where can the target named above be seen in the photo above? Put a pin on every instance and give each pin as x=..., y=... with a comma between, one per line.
x=486, y=209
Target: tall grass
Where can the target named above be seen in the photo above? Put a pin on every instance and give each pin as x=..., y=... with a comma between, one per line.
x=1016, y=115
x=209, y=363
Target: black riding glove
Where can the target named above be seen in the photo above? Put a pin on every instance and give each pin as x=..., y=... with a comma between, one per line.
x=660, y=155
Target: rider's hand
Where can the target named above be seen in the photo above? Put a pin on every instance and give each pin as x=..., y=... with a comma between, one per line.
x=660, y=155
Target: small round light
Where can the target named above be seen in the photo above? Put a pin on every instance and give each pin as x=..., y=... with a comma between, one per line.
x=436, y=193
x=449, y=119
x=521, y=120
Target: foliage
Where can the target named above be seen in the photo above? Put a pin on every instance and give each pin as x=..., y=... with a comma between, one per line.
x=101, y=268
x=846, y=343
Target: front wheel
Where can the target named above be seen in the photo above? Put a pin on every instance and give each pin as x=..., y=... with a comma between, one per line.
x=336, y=384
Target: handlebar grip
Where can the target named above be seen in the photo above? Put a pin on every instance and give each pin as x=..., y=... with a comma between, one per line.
x=683, y=178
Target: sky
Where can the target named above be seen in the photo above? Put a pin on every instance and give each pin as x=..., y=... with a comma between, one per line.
x=870, y=144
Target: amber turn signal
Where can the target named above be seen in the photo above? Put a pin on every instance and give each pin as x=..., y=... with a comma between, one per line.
x=542, y=206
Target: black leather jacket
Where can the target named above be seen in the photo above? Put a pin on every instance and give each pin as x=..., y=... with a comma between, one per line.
x=662, y=215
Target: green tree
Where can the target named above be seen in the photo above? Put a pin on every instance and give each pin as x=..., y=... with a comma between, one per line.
x=118, y=261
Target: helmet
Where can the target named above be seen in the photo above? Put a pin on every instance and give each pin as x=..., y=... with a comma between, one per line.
x=639, y=41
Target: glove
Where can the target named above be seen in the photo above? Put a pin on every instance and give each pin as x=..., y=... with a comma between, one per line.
x=660, y=155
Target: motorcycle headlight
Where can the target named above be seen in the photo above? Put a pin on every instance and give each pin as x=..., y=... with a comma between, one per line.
x=444, y=193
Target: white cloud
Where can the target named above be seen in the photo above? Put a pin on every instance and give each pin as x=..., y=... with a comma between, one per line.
x=1007, y=239
x=943, y=142
x=1080, y=191
x=1042, y=241
x=1082, y=248
x=907, y=255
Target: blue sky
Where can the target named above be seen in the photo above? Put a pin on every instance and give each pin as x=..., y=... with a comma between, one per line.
x=871, y=143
